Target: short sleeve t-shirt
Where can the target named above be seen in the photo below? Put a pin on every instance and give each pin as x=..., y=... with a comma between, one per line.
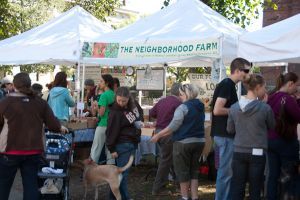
x=106, y=99
x=225, y=89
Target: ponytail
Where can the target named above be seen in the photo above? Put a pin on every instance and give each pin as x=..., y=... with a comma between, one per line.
x=284, y=79
x=253, y=80
x=279, y=82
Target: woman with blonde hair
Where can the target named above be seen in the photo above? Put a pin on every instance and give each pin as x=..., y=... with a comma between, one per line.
x=250, y=119
x=187, y=129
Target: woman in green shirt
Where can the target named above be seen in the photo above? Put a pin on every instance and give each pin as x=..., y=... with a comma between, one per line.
x=107, y=98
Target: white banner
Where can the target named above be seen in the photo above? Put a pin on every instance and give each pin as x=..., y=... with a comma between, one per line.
x=166, y=49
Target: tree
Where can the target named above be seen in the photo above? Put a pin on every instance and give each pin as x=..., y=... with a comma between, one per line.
x=181, y=73
x=99, y=8
x=18, y=16
x=8, y=22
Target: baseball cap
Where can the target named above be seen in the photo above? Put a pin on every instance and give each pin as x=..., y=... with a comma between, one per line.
x=89, y=82
x=6, y=80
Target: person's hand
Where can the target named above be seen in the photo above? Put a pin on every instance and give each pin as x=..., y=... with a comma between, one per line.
x=114, y=155
x=202, y=158
x=94, y=105
x=94, y=108
x=142, y=124
x=155, y=138
x=297, y=95
x=64, y=129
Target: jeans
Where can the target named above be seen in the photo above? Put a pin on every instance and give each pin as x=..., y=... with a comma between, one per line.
x=280, y=155
x=124, y=151
x=224, y=175
x=247, y=168
x=28, y=165
x=165, y=163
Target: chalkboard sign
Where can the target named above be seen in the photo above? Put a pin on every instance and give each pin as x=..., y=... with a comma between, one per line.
x=152, y=80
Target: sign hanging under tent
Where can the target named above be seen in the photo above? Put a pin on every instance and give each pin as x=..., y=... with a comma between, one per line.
x=169, y=36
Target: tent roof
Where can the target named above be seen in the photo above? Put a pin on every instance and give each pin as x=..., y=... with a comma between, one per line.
x=181, y=21
x=55, y=42
x=278, y=42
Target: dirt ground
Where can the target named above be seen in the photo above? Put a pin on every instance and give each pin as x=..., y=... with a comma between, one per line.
x=139, y=187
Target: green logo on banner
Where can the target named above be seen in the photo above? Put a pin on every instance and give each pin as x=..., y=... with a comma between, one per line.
x=87, y=49
x=112, y=50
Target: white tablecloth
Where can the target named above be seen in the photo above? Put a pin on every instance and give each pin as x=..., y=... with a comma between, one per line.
x=144, y=147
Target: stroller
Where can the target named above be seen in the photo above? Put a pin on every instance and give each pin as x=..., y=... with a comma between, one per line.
x=54, y=173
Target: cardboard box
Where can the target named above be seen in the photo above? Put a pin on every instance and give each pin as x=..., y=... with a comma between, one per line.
x=77, y=125
x=147, y=131
x=92, y=122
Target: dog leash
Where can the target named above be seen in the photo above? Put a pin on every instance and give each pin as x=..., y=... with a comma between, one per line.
x=104, y=161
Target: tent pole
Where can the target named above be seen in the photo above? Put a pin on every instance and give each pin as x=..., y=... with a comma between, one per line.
x=82, y=83
x=286, y=69
x=220, y=68
x=77, y=86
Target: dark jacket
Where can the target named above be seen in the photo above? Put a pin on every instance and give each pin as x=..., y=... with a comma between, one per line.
x=121, y=127
x=193, y=122
x=22, y=122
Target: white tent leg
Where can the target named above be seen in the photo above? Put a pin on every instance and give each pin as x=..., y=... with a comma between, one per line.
x=140, y=97
x=82, y=83
x=286, y=69
x=221, y=69
x=77, y=86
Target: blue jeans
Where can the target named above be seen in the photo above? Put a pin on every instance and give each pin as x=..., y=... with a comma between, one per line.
x=281, y=154
x=247, y=168
x=28, y=165
x=124, y=151
x=225, y=147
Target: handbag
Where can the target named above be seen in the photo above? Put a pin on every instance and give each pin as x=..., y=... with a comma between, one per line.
x=52, y=186
x=284, y=127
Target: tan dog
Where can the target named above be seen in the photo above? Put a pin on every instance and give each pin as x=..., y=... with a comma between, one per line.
x=94, y=175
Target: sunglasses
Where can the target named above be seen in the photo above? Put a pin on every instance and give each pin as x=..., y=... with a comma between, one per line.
x=246, y=70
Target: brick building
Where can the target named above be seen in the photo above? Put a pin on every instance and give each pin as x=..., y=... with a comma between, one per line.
x=286, y=9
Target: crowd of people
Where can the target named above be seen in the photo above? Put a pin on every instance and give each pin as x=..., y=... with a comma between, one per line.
x=255, y=136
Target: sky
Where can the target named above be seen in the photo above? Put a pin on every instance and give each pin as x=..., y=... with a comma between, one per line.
x=147, y=7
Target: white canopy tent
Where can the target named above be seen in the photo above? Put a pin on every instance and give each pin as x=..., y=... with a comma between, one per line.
x=186, y=31
x=279, y=42
x=58, y=41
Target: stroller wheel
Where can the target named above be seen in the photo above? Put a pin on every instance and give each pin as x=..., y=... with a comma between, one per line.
x=66, y=194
